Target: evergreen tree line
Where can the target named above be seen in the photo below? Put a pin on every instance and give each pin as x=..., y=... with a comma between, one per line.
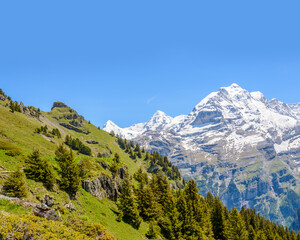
x=14, y=107
x=76, y=144
x=39, y=169
x=155, y=158
x=184, y=214
x=2, y=93
x=44, y=130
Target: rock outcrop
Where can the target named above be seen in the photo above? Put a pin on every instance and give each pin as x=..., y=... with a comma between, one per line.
x=41, y=210
x=59, y=105
x=103, y=187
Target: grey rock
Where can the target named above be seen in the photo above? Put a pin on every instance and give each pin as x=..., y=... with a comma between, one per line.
x=70, y=206
x=68, y=126
x=92, y=142
x=48, y=200
x=48, y=214
x=153, y=169
x=106, y=154
x=123, y=172
x=102, y=187
x=59, y=105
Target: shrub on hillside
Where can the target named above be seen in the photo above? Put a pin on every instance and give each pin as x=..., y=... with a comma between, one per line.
x=11, y=149
x=15, y=185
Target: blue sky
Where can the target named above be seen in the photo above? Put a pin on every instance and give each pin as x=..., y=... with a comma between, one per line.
x=123, y=60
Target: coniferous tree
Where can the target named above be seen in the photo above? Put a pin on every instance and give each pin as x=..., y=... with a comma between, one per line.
x=70, y=173
x=49, y=179
x=34, y=166
x=195, y=212
x=15, y=185
x=182, y=209
x=117, y=158
x=261, y=235
x=151, y=234
x=252, y=234
x=139, y=154
x=218, y=219
x=235, y=227
x=12, y=106
x=137, y=148
x=114, y=168
x=127, y=205
x=39, y=169
x=169, y=222
x=147, y=206
x=141, y=176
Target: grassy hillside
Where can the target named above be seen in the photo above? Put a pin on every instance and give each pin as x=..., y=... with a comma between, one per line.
x=19, y=137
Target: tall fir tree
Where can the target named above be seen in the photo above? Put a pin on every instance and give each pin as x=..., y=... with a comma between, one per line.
x=218, y=219
x=252, y=233
x=151, y=233
x=39, y=169
x=70, y=173
x=127, y=205
x=235, y=227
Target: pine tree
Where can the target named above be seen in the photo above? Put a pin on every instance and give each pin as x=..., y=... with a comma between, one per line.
x=147, y=205
x=117, y=158
x=151, y=234
x=139, y=154
x=252, y=234
x=235, y=227
x=127, y=205
x=182, y=209
x=15, y=185
x=141, y=176
x=170, y=220
x=218, y=219
x=34, y=166
x=137, y=148
x=49, y=179
x=114, y=168
x=39, y=169
x=261, y=235
x=12, y=106
x=70, y=173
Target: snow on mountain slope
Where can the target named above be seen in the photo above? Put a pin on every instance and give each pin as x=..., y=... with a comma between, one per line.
x=236, y=144
x=157, y=122
x=231, y=114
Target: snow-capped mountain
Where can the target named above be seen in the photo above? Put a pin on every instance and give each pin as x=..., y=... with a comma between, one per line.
x=236, y=144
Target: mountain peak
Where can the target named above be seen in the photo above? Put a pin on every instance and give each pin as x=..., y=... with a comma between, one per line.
x=59, y=105
x=234, y=85
x=109, y=124
x=233, y=89
x=159, y=113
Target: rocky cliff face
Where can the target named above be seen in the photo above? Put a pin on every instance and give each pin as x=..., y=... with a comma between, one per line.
x=105, y=186
x=236, y=144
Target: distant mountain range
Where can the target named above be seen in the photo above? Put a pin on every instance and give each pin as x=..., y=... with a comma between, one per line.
x=236, y=144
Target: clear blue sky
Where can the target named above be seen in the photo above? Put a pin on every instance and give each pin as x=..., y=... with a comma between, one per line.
x=123, y=60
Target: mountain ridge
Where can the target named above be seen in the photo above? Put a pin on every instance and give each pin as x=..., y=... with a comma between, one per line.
x=227, y=135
